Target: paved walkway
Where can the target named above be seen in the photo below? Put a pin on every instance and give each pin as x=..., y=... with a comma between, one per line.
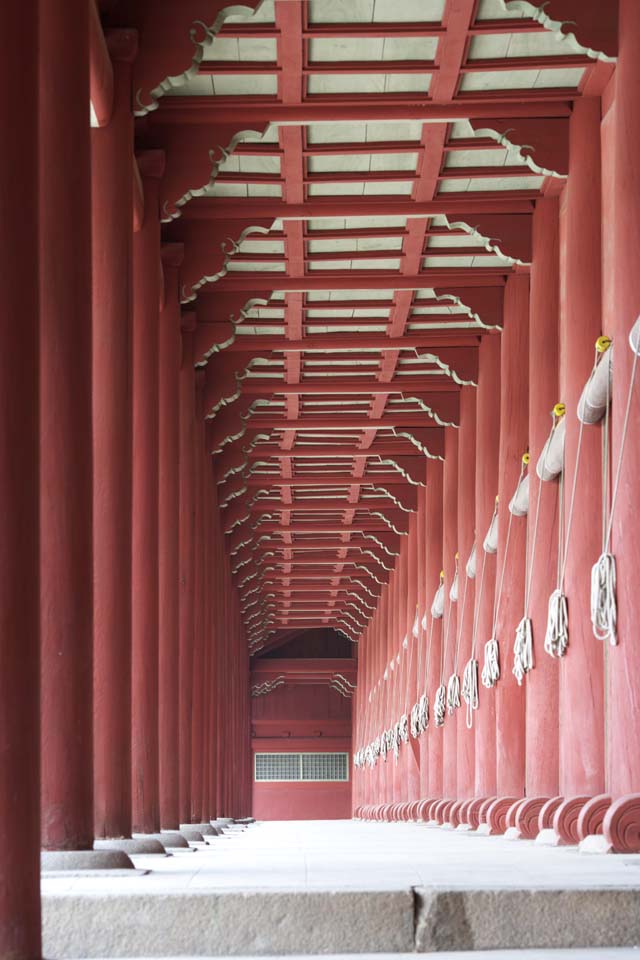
x=342, y=887
x=343, y=855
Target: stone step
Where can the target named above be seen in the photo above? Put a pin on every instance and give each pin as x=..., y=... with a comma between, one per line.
x=344, y=921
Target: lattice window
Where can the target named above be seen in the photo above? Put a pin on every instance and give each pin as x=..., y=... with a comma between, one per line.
x=301, y=766
x=278, y=766
x=325, y=766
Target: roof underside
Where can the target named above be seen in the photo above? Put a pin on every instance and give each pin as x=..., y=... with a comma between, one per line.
x=367, y=239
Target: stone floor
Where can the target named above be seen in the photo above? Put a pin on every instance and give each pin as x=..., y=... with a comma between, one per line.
x=348, y=887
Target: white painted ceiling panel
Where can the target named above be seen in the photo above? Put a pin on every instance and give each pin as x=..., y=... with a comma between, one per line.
x=490, y=183
x=248, y=85
x=399, y=187
x=332, y=49
x=546, y=43
x=234, y=49
x=482, y=158
x=341, y=11
x=408, y=11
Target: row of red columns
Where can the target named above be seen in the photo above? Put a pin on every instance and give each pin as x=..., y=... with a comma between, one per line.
x=567, y=735
x=124, y=673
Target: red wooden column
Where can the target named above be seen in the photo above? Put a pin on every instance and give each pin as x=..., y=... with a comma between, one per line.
x=487, y=460
x=623, y=764
x=66, y=585
x=514, y=430
x=466, y=538
x=433, y=566
x=581, y=683
x=421, y=648
x=400, y=620
x=168, y=536
x=144, y=574
x=542, y=681
x=449, y=549
x=208, y=629
x=19, y=441
x=197, y=715
x=412, y=748
x=186, y=562
x=111, y=186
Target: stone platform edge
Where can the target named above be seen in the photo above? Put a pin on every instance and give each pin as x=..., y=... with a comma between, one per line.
x=424, y=919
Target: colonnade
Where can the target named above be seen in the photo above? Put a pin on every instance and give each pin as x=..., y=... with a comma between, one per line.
x=554, y=756
x=124, y=694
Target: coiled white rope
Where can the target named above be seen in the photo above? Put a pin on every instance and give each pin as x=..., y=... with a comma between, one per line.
x=556, y=638
x=491, y=668
x=603, y=573
x=604, y=613
x=523, y=650
x=603, y=598
x=439, y=706
x=424, y=699
x=441, y=693
x=453, y=687
x=453, y=693
x=470, y=675
x=470, y=689
x=523, y=645
x=523, y=660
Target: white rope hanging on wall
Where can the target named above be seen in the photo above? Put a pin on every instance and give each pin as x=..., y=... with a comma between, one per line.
x=437, y=610
x=491, y=667
x=523, y=645
x=440, y=703
x=470, y=674
x=453, y=686
x=591, y=407
x=603, y=575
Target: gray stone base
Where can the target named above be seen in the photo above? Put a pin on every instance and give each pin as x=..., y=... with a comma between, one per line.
x=549, y=838
x=510, y=919
x=204, y=828
x=57, y=860
x=169, y=839
x=192, y=836
x=320, y=922
x=213, y=924
x=595, y=843
x=138, y=846
x=512, y=833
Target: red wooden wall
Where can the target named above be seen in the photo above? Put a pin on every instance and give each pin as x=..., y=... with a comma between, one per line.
x=302, y=718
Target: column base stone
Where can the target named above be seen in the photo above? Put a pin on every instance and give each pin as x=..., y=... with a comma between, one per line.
x=132, y=846
x=204, y=828
x=548, y=838
x=595, y=843
x=168, y=839
x=80, y=860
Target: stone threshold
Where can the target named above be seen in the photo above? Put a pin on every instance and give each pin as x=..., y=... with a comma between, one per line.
x=281, y=922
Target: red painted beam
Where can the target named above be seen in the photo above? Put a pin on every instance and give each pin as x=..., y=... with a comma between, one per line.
x=375, y=29
x=322, y=451
x=326, y=479
x=316, y=208
x=385, y=506
x=369, y=280
x=333, y=342
x=319, y=422
x=424, y=386
x=212, y=110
